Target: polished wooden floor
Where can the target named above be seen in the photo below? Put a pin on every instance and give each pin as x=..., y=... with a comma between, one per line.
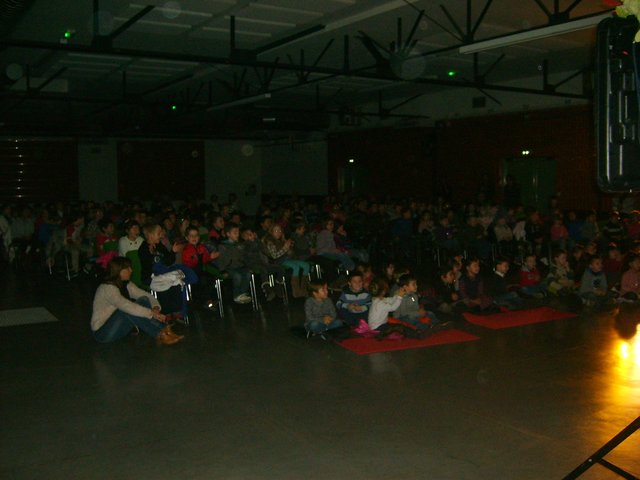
x=243, y=398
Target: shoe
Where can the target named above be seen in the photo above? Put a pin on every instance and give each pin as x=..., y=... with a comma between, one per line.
x=174, y=334
x=322, y=335
x=242, y=298
x=167, y=337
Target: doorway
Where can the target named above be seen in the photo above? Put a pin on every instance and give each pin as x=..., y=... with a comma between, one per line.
x=353, y=179
x=536, y=177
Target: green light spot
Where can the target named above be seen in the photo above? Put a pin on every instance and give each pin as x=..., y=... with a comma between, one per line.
x=452, y=73
x=174, y=107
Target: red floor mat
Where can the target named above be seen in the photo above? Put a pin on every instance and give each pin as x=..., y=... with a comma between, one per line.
x=517, y=318
x=363, y=346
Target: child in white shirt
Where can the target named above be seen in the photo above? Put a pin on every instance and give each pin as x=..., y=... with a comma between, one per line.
x=382, y=305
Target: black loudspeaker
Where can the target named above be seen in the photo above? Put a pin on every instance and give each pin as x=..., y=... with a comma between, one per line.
x=618, y=105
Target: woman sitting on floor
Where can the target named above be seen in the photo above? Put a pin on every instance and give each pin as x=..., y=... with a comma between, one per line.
x=119, y=307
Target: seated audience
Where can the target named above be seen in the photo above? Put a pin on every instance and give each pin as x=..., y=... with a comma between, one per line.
x=593, y=286
x=258, y=263
x=411, y=311
x=278, y=250
x=560, y=280
x=472, y=290
x=630, y=282
x=530, y=278
x=381, y=305
x=354, y=302
x=326, y=246
x=119, y=307
x=232, y=261
x=443, y=295
x=131, y=240
x=498, y=287
x=612, y=265
x=156, y=259
x=319, y=311
x=196, y=256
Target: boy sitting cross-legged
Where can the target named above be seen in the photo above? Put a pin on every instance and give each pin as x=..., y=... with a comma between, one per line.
x=354, y=302
x=410, y=311
x=319, y=310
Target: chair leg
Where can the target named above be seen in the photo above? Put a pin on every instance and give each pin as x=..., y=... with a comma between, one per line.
x=285, y=294
x=318, y=271
x=254, y=294
x=219, y=293
x=66, y=264
x=188, y=297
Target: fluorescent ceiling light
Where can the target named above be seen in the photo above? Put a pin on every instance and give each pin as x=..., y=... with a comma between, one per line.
x=177, y=63
x=155, y=23
x=366, y=14
x=534, y=34
x=147, y=74
x=237, y=103
x=89, y=64
x=99, y=56
x=238, y=32
x=177, y=11
x=346, y=21
x=264, y=22
x=285, y=10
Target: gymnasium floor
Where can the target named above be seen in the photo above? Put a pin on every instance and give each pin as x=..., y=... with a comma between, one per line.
x=243, y=398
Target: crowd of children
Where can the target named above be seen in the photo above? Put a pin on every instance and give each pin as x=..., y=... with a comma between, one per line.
x=481, y=258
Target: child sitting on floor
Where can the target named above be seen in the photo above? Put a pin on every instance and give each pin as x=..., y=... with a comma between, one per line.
x=630, y=283
x=498, y=287
x=381, y=305
x=530, y=278
x=472, y=289
x=593, y=287
x=319, y=311
x=560, y=278
x=354, y=302
x=612, y=265
x=444, y=296
x=410, y=310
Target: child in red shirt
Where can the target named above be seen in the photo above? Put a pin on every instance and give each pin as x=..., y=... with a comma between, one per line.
x=196, y=256
x=530, y=278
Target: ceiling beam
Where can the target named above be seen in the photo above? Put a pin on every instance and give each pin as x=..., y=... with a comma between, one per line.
x=122, y=28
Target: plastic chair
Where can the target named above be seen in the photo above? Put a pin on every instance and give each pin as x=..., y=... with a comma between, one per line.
x=136, y=269
x=110, y=246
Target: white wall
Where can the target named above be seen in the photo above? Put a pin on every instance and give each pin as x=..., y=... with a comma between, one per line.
x=98, y=170
x=232, y=166
x=295, y=168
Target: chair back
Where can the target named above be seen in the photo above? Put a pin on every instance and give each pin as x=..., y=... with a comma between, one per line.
x=136, y=269
x=110, y=246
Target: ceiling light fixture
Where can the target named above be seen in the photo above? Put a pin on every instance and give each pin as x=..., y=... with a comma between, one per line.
x=534, y=34
x=237, y=103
